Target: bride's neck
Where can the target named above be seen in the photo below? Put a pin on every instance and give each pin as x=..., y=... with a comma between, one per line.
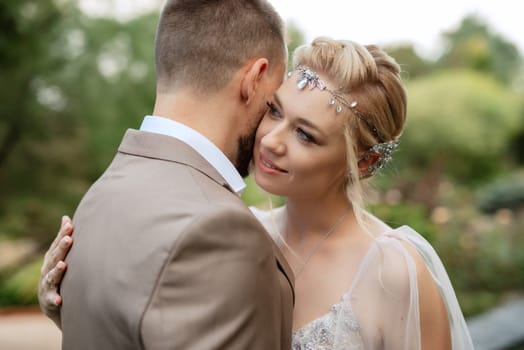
x=305, y=217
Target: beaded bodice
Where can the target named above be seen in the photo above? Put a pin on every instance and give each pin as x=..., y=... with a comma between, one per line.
x=339, y=327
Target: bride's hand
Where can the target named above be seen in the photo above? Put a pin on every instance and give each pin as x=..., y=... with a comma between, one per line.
x=53, y=270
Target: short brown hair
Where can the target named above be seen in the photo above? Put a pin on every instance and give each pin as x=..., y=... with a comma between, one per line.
x=202, y=43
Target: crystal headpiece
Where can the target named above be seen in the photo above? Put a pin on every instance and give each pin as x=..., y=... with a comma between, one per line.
x=311, y=79
x=307, y=77
x=385, y=149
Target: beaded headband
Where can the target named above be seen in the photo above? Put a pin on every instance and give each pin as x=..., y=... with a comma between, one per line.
x=309, y=78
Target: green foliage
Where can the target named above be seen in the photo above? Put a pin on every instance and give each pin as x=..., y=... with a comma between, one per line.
x=484, y=258
x=75, y=85
x=295, y=38
x=27, y=28
x=506, y=192
x=413, y=66
x=461, y=119
x=411, y=214
x=475, y=46
x=115, y=61
x=476, y=302
x=22, y=287
x=254, y=196
x=517, y=145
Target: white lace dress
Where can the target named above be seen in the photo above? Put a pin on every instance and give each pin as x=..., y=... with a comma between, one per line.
x=381, y=308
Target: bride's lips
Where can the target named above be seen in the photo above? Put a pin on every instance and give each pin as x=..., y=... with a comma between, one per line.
x=268, y=166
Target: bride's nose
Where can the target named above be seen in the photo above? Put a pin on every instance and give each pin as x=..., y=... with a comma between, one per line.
x=274, y=140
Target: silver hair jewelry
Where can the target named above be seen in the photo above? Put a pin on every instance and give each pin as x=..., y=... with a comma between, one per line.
x=309, y=78
x=385, y=149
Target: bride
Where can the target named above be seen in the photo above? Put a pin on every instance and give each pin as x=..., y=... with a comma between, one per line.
x=360, y=284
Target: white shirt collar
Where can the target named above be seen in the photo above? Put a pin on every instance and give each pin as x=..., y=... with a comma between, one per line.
x=200, y=144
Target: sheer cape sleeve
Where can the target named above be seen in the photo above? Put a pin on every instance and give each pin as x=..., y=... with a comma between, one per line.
x=384, y=296
x=381, y=308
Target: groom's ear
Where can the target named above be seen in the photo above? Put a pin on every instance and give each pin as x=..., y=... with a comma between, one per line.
x=252, y=77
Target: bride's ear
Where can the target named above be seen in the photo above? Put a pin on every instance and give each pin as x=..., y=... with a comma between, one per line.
x=367, y=160
x=253, y=75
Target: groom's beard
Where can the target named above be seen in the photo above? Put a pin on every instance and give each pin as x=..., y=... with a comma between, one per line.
x=245, y=146
x=245, y=153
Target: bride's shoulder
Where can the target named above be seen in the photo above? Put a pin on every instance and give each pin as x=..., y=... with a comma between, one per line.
x=404, y=257
x=406, y=240
x=400, y=237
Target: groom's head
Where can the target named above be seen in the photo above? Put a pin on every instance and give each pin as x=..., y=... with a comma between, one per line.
x=209, y=46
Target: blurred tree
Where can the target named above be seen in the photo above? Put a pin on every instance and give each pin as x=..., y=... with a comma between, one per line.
x=517, y=143
x=295, y=38
x=413, y=66
x=32, y=113
x=459, y=125
x=111, y=82
x=72, y=85
x=26, y=29
x=505, y=192
x=474, y=45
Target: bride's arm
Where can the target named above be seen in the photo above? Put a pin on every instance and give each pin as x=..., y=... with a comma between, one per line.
x=52, y=272
x=413, y=314
x=434, y=321
x=440, y=312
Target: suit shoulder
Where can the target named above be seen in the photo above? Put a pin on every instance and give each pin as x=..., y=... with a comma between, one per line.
x=227, y=223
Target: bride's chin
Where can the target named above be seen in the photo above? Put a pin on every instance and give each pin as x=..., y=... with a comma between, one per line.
x=271, y=188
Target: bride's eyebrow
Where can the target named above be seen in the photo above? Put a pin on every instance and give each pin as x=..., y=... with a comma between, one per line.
x=311, y=125
x=277, y=101
x=298, y=119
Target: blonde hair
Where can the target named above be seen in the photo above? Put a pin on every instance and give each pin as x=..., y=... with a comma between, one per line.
x=369, y=76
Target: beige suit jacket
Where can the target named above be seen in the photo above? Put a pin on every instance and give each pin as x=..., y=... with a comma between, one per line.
x=166, y=256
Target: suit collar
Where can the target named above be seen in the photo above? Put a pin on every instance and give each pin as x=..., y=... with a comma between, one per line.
x=207, y=149
x=162, y=147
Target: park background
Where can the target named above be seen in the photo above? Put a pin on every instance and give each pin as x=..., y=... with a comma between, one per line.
x=72, y=81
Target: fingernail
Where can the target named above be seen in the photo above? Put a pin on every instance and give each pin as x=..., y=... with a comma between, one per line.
x=66, y=241
x=67, y=226
x=60, y=265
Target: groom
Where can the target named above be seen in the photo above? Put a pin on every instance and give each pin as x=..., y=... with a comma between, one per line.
x=166, y=254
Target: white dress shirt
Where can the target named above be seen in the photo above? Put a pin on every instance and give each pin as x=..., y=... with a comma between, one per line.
x=200, y=144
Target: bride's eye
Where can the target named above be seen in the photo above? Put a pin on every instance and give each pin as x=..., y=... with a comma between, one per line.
x=304, y=136
x=273, y=110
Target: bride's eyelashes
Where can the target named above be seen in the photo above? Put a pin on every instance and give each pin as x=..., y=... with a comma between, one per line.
x=301, y=134
x=304, y=136
x=273, y=110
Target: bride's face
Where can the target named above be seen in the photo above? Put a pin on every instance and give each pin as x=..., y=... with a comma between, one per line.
x=300, y=150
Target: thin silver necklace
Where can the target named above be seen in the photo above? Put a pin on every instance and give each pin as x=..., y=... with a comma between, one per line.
x=322, y=240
